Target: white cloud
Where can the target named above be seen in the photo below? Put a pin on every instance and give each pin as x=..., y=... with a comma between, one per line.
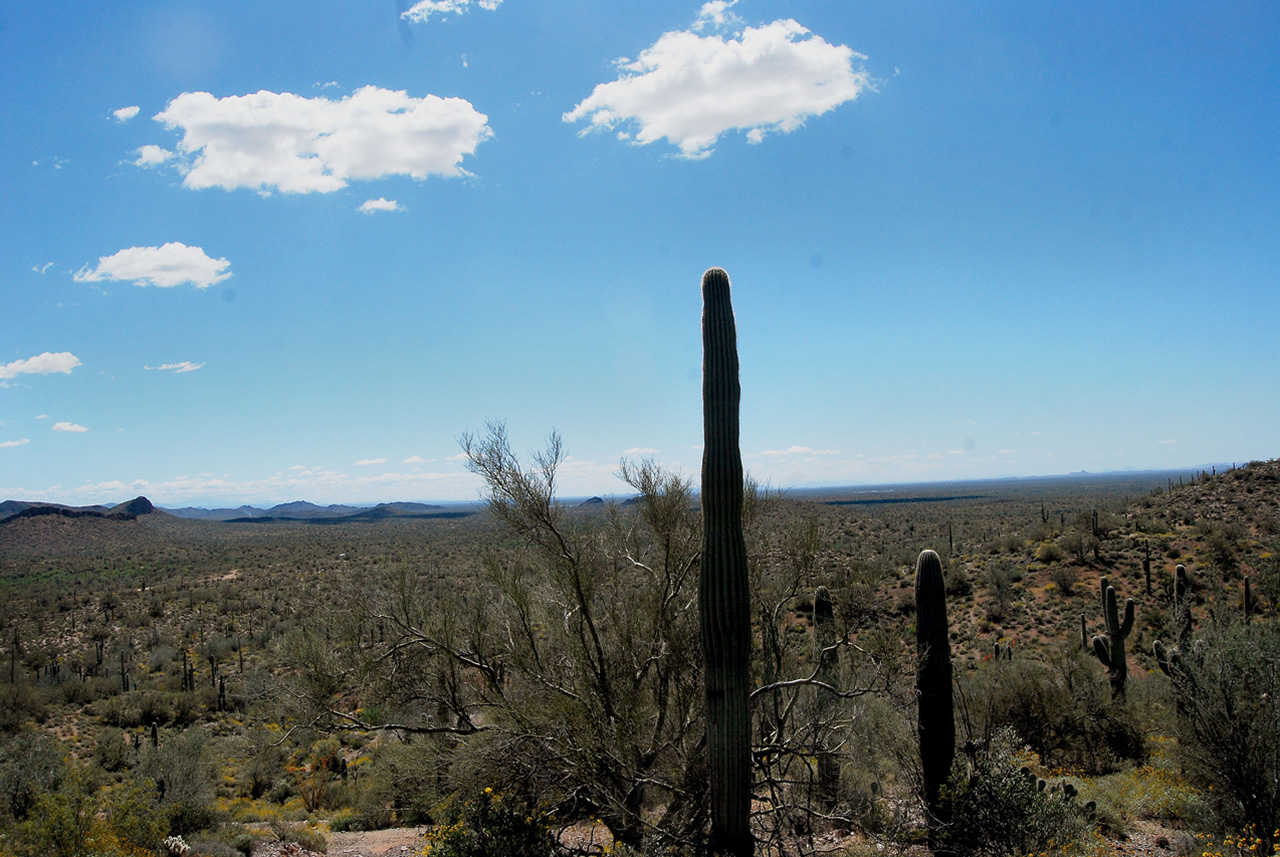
x=124, y=114
x=717, y=14
x=47, y=363
x=1166, y=441
x=691, y=89
x=43, y=417
x=287, y=142
x=40, y=269
x=371, y=205
x=420, y=12
x=4, y=444
x=414, y=459
x=370, y=462
x=799, y=450
x=177, y=368
x=640, y=450
x=151, y=156
x=171, y=265
x=72, y=427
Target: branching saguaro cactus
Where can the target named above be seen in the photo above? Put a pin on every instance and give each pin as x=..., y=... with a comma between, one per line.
x=1109, y=647
x=724, y=604
x=933, y=684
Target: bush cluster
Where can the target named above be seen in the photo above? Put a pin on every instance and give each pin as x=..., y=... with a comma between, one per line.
x=997, y=807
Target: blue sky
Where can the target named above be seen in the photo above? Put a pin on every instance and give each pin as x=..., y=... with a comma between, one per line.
x=258, y=252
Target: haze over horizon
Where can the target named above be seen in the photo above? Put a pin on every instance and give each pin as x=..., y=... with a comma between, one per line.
x=255, y=254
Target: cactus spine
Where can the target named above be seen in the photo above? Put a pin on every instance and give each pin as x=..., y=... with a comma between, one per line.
x=1109, y=647
x=724, y=608
x=936, y=725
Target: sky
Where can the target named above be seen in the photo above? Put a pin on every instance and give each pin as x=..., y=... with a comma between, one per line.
x=261, y=252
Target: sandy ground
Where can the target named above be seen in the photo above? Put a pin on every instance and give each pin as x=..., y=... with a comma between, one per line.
x=394, y=842
x=1145, y=840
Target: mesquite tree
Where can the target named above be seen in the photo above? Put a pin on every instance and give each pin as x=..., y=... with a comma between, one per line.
x=724, y=604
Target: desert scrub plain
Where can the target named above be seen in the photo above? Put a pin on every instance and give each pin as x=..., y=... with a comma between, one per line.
x=525, y=679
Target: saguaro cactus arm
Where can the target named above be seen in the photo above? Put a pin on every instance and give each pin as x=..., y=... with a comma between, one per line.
x=724, y=609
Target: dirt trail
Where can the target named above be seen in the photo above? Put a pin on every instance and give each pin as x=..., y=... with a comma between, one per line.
x=394, y=842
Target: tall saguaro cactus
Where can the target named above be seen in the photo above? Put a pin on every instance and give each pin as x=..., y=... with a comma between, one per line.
x=724, y=605
x=1109, y=647
x=936, y=723
x=828, y=660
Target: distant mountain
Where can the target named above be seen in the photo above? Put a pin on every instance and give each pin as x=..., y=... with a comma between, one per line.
x=196, y=514
x=298, y=510
x=13, y=508
x=136, y=506
x=124, y=511
x=301, y=509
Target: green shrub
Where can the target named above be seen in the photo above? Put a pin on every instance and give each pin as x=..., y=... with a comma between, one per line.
x=1226, y=689
x=184, y=773
x=33, y=765
x=492, y=825
x=998, y=807
x=1061, y=710
x=1049, y=553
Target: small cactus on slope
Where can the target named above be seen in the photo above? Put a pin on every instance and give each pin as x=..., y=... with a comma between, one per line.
x=1109, y=647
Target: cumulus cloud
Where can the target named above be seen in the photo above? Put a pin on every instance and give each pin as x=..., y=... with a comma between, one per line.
x=640, y=450
x=269, y=140
x=4, y=444
x=152, y=156
x=716, y=14
x=177, y=368
x=47, y=363
x=40, y=269
x=690, y=88
x=65, y=426
x=170, y=265
x=370, y=462
x=414, y=459
x=420, y=12
x=372, y=205
x=124, y=114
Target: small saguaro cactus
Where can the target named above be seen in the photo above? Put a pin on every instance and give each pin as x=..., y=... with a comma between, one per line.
x=1146, y=563
x=1109, y=647
x=936, y=724
x=1181, y=605
x=724, y=603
